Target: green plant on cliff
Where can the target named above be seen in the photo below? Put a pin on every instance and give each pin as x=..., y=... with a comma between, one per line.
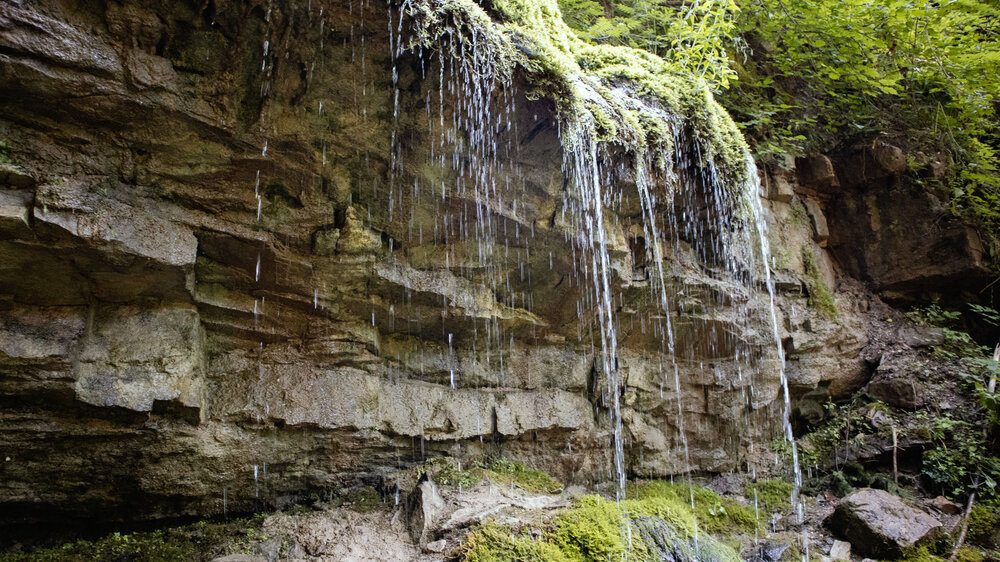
x=771, y=495
x=977, y=362
x=814, y=75
x=499, y=470
x=697, y=36
x=960, y=461
x=581, y=77
x=5, y=153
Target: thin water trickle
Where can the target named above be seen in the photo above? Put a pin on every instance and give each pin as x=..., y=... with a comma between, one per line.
x=480, y=217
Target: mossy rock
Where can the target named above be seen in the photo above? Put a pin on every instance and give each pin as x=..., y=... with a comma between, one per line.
x=657, y=522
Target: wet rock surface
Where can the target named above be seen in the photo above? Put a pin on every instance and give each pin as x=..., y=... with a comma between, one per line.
x=210, y=276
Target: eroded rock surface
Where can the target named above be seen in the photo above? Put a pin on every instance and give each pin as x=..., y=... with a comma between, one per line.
x=231, y=273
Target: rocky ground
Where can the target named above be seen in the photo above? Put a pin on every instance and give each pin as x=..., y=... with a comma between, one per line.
x=502, y=514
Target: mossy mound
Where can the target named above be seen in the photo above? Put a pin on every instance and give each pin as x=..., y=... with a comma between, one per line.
x=659, y=520
x=494, y=543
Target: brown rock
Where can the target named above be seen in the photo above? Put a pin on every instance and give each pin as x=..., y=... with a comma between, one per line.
x=816, y=172
x=946, y=506
x=821, y=232
x=891, y=158
x=898, y=391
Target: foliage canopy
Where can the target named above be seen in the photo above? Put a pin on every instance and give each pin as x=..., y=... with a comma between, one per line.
x=809, y=75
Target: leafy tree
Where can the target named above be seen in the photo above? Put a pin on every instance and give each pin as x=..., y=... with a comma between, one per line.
x=807, y=75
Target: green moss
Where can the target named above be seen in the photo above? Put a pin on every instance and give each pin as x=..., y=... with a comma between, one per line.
x=507, y=471
x=595, y=530
x=967, y=554
x=202, y=540
x=714, y=513
x=772, y=495
x=582, y=78
x=983, y=523
x=820, y=296
x=920, y=554
x=5, y=153
x=782, y=260
x=493, y=543
x=799, y=216
x=500, y=471
x=657, y=516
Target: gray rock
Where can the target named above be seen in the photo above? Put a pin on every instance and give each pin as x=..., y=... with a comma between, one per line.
x=771, y=551
x=879, y=524
x=143, y=291
x=841, y=550
x=436, y=547
x=423, y=507
x=921, y=336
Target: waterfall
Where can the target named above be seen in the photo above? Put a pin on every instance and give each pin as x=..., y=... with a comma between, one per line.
x=697, y=188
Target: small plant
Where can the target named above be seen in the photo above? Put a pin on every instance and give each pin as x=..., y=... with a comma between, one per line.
x=529, y=479
x=501, y=471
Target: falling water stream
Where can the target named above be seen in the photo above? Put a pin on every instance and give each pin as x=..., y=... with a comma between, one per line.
x=686, y=207
x=687, y=201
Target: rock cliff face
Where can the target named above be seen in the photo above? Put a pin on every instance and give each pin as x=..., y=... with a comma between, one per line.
x=233, y=271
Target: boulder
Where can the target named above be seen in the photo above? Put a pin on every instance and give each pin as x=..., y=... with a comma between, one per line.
x=899, y=391
x=879, y=524
x=890, y=158
x=423, y=506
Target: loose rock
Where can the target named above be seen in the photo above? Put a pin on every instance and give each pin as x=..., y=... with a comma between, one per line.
x=879, y=524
